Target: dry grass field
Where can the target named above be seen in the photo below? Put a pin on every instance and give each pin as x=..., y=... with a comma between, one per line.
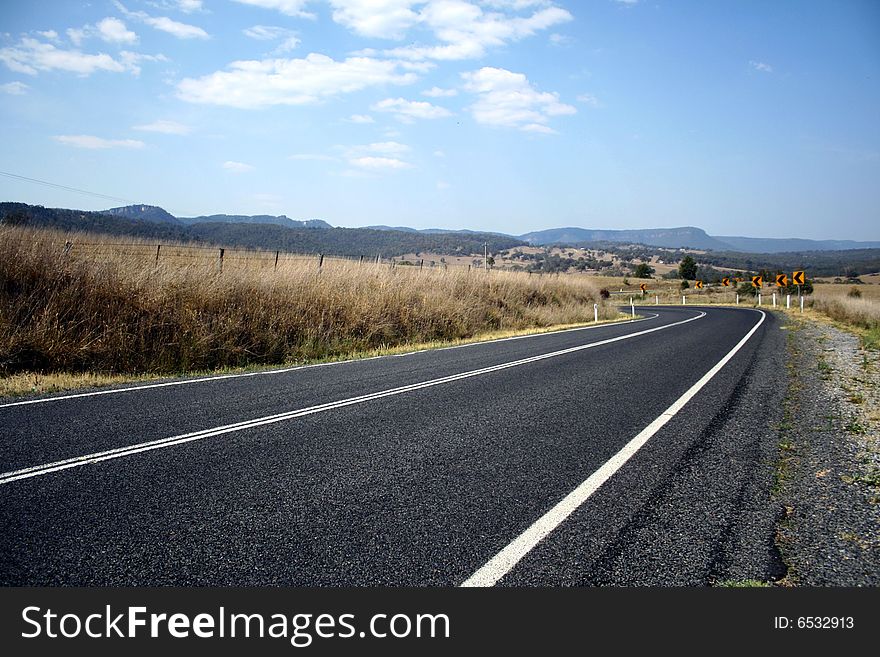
x=80, y=303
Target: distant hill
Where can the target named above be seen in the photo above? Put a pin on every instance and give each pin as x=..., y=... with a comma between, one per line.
x=783, y=245
x=294, y=239
x=687, y=236
x=144, y=213
x=280, y=220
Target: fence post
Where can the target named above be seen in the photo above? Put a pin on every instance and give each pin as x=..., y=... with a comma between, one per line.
x=378, y=258
x=220, y=261
x=158, y=246
x=421, y=264
x=68, y=245
x=320, y=261
x=361, y=261
x=276, y=260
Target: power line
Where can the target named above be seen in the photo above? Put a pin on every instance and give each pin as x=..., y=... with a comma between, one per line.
x=46, y=183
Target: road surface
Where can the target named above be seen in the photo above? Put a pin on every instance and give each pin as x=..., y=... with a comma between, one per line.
x=630, y=454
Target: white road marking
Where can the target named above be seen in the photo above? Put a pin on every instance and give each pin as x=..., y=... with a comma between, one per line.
x=221, y=377
x=120, y=452
x=503, y=562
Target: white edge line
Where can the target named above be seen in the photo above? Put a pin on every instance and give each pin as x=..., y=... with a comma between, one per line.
x=503, y=562
x=120, y=452
x=166, y=384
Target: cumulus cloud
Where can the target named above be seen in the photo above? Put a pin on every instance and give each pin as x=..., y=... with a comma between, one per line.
x=110, y=30
x=387, y=19
x=437, y=92
x=507, y=99
x=14, y=88
x=466, y=31
x=237, y=167
x=287, y=7
x=95, y=143
x=379, y=163
x=378, y=156
x=255, y=84
x=409, y=110
x=31, y=56
x=164, y=24
x=288, y=38
x=165, y=127
x=361, y=118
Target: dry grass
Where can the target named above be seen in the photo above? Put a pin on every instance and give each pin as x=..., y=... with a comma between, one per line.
x=110, y=309
x=862, y=312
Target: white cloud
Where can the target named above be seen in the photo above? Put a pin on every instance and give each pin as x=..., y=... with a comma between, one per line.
x=386, y=19
x=439, y=154
x=386, y=147
x=288, y=7
x=164, y=24
x=165, y=127
x=14, y=88
x=507, y=99
x=466, y=31
x=761, y=66
x=254, y=84
x=92, y=142
x=50, y=35
x=408, y=110
x=237, y=167
x=289, y=40
x=31, y=56
x=379, y=163
x=189, y=6
x=442, y=184
x=361, y=118
x=378, y=156
x=589, y=99
x=437, y=92
x=113, y=30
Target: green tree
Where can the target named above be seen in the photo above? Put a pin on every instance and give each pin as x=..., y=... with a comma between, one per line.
x=687, y=268
x=684, y=284
x=643, y=270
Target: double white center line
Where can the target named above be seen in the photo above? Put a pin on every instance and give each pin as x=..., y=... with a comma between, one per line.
x=162, y=443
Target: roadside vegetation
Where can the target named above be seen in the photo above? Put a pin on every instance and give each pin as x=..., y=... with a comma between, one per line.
x=114, y=308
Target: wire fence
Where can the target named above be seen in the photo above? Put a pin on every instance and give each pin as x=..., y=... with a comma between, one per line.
x=169, y=254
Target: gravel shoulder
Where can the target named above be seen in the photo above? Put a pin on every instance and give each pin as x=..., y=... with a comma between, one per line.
x=829, y=462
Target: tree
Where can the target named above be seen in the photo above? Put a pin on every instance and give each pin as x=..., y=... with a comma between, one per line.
x=684, y=284
x=643, y=270
x=687, y=268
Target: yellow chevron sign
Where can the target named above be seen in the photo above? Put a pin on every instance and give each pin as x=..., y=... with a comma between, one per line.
x=643, y=287
x=699, y=285
x=781, y=280
x=757, y=281
x=725, y=282
x=797, y=278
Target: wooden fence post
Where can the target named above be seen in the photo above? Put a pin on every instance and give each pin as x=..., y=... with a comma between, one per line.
x=220, y=261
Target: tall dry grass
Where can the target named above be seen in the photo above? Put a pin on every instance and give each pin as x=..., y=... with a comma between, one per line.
x=835, y=302
x=109, y=308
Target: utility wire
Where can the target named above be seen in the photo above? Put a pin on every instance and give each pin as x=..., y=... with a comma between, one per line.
x=46, y=183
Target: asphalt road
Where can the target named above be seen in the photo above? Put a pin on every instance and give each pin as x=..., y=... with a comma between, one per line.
x=413, y=470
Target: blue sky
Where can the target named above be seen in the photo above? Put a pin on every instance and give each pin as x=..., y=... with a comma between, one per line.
x=745, y=118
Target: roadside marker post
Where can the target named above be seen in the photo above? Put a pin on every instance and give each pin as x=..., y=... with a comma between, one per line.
x=633, y=309
x=774, y=299
x=657, y=300
x=802, y=304
x=682, y=299
x=595, y=312
x=737, y=299
x=788, y=301
x=759, y=299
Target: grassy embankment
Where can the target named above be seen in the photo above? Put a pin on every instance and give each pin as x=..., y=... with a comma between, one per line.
x=108, y=312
